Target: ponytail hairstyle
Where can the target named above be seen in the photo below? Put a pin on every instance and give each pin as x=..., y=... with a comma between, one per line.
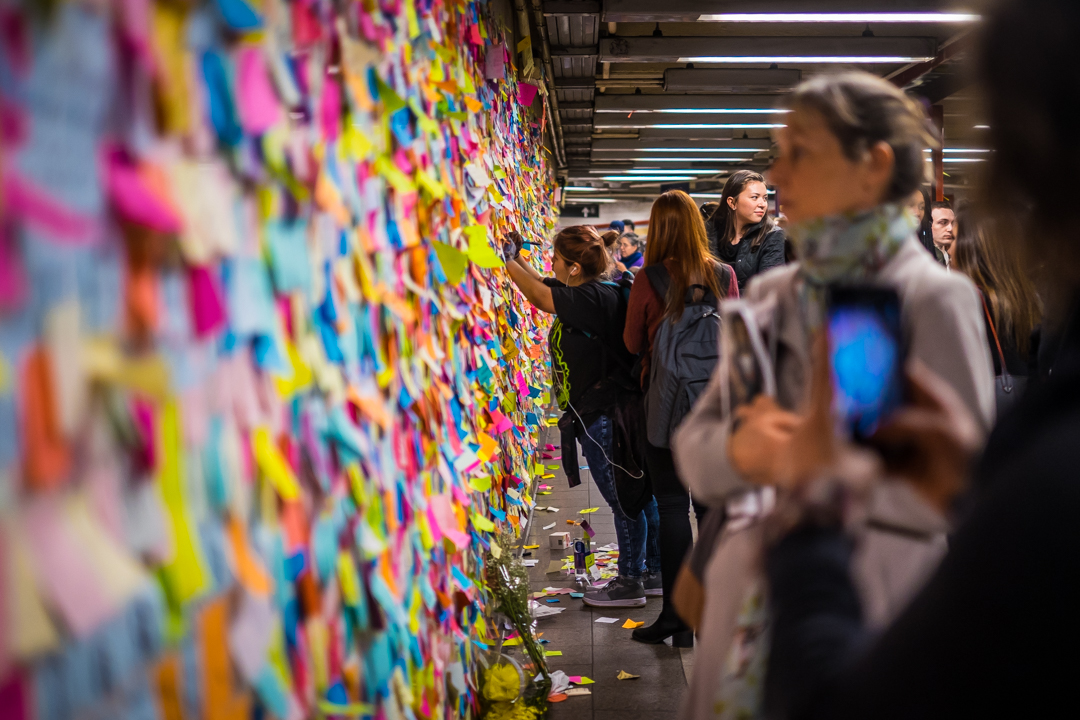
x=581, y=244
x=677, y=233
x=724, y=215
x=610, y=238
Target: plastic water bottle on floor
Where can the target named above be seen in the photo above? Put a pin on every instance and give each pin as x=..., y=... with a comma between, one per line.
x=581, y=577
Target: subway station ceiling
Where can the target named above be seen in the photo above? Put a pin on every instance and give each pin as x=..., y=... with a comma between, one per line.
x=656, y=92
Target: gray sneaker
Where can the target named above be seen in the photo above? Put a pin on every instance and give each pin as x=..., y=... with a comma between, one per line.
x=654, y=585
x=620, y=592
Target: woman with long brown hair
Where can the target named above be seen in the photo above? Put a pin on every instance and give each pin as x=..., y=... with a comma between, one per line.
x=741, y=232
x=1011, y=306
x=676, y=246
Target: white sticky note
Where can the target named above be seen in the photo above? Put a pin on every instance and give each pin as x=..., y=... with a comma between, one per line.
x=607, y=620
x=548, y=527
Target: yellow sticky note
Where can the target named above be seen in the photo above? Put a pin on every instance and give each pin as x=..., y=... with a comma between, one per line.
x=538, y=469
x=584, y=680
x=347, y=577
x=273, y=465
x=552, y=653
x=546, y=477
x=482, y=523
x=454, y=262
x=586, y=511
x=480, y=251
x=631, y=624
x=530, y=547
x=512, y=642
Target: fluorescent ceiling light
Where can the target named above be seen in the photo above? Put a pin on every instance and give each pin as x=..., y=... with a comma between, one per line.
x=865, y=17
x=685, y=159
x=574, y=201
x=709, y=196
x=846, y=59
x=959, y=160
x=982, y=127
x=961, y=150
x=708, y=126
x=701, y=111
x=576, y=188
x=643, y=178
x=654, y=171
x=687, y=150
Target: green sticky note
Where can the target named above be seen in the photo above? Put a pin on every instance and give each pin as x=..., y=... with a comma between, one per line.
x=401, y=182
x=454, y=262
x=480, y=251
x=480, y=484
x=482, y=523
x=552, y=653
x=391, y=101
x=584, y=681
x=552, y=467
x=586, y=511
x=538, y=469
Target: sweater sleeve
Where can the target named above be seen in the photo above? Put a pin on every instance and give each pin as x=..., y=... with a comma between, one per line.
x=636, y=332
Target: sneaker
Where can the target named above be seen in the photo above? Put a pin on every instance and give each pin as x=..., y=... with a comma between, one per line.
x=654, y=585
x=620, y=592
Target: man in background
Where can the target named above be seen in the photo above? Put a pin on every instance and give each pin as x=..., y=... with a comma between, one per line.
x=943, y=226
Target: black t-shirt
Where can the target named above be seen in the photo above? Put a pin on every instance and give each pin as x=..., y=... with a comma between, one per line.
x=586, y=340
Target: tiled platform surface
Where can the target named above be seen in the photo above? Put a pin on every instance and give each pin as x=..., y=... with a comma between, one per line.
x=598, y=650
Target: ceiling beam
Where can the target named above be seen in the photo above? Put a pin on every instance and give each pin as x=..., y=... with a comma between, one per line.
x=695, y=49
x=734, y=80
x=676, y=144
x=692, y=10
x=689, y=121
x=667, y=103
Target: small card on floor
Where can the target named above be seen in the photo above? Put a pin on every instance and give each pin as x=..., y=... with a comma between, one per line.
x=548, y=527
x=607, y=620
x=577, y=691
x=529, y=563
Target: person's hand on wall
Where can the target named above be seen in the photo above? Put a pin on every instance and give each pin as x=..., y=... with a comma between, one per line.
x=511, y=246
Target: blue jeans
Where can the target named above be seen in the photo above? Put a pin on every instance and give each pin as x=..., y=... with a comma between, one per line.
x=639, y=547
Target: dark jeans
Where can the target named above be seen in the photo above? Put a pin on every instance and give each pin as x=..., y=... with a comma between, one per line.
x=639, y=548
x=673, y=503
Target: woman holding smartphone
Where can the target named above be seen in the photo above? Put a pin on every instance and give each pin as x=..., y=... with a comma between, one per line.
x=850, y=157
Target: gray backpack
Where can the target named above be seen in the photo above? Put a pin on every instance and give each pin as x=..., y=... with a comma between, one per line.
x=684, y=355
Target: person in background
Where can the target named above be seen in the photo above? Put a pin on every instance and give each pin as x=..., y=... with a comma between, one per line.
x=849, y=159
x=617, y=226
x=628, y=226
x=630, y=257
x=591, y=375
x=917, y=205
x=741, y=232
x=992, y=632
x=943, y=226
x=1011, y=306
x=611, y=244
x=707, y=210
x=677, y=240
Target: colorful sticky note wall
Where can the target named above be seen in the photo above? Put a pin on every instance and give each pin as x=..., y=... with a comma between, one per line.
x=265, y=389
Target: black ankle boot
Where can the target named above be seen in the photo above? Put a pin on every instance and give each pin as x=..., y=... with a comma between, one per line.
x=666, y=626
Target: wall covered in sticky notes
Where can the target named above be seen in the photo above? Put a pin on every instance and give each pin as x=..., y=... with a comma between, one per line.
x=263, y=400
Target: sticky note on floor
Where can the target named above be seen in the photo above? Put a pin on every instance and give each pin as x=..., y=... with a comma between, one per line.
x=607, y=620
x=530, y=547
x=577, y=691
x=577, y=595
x=631, y=624
x=556, y=653
x=588, y=510
x=548, y=527
x=581, y=680
x=623, y=675
x=555, y=566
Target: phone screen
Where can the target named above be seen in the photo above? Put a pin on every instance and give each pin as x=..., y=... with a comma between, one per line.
x=866, y=356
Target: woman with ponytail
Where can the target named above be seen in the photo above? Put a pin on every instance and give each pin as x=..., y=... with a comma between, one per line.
x=591, y=375
x=741, y=231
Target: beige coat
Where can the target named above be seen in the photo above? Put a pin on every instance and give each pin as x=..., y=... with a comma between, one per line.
x=943, y=327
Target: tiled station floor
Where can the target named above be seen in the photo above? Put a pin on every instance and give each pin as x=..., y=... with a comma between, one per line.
x=597, y=650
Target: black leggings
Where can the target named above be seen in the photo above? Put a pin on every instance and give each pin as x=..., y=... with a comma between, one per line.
x=673, y=504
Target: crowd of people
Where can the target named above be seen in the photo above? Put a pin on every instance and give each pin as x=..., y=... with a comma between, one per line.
x=926, y=569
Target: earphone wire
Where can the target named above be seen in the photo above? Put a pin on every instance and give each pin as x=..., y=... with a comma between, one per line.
x=611, y=462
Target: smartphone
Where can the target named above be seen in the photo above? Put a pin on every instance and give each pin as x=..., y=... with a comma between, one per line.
x=867, y=356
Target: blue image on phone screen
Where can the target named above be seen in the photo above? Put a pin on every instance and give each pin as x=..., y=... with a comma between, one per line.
x=865, y=355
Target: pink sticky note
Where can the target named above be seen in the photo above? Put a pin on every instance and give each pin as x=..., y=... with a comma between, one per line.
x=495, y=63
x=526, y=93
x=501, y=422
x=257, y=101
x=442, y=512
x=207, y=305
x=330, y=109
x=135, y=199
x=61, y=569
x=12, y=274
x=474, y=35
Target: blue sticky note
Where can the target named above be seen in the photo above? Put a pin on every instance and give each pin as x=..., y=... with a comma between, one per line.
x=223, y=115
x=250, y=298
x=272, y=691
x=289, y=255
x=239, y=16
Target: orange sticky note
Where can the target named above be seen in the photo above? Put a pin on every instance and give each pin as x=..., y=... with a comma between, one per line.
x=45, y=452
x=166, y=676
x=249, y=571
x=220, y=702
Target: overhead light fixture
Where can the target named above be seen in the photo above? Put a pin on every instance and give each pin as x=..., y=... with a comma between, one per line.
x=577, y=188
x=959, y=160
x=806, y=59
x=870, y=17
x=644, y=178
x=590, y=200
x=685, y=159
x=711, y=126
x=696, y=150
x=961, y=150
x=655, y=171
x=702, y=111
x=982, y=127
